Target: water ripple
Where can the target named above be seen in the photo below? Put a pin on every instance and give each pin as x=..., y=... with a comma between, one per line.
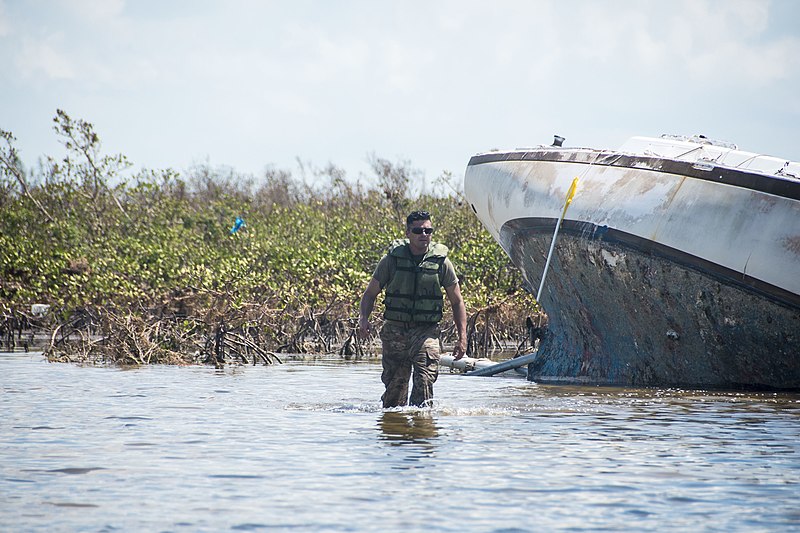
x=307, y=445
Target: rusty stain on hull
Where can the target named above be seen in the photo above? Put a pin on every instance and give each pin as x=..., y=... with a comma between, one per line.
x=792, y=244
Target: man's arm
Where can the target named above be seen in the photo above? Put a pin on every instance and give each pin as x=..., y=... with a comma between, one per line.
x=460, y=319
x=366, y=306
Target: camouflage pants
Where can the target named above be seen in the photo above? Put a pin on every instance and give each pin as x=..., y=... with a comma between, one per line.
x=409, y=349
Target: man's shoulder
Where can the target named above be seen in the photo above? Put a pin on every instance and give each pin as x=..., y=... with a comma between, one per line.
x=449, y=275
x=398, y=248
x=438, y=248
x=383, y=270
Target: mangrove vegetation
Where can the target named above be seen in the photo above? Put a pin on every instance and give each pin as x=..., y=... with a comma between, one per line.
x=102, y=264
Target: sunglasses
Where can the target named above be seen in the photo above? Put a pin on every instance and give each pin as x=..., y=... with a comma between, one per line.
x=420, y=231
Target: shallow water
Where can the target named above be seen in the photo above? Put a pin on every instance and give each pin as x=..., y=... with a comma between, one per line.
x=305, y=446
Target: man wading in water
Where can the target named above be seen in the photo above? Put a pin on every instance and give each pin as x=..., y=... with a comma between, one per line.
x=413, y=273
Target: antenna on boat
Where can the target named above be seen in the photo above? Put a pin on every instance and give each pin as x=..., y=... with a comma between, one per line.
x=570, y=194
x=558, y=140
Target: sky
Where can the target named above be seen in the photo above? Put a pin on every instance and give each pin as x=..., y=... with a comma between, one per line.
x=258, y=85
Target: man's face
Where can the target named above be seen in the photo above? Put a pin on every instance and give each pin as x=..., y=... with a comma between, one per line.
x=419, y=242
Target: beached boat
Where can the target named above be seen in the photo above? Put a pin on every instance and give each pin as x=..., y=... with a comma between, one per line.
x=677, y=264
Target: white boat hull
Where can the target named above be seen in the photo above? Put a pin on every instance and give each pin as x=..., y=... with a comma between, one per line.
x=667, y=272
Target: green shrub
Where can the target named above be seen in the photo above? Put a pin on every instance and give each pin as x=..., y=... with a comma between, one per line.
x=82, y=233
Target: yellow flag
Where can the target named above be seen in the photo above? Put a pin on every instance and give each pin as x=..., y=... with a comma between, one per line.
x=572, y=188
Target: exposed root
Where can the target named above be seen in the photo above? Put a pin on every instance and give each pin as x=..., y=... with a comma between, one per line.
x=210, y=327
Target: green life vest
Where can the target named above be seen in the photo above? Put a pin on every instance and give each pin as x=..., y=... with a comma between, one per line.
x=414, y=293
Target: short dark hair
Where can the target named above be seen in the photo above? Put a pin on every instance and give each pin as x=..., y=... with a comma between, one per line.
x=415, y=216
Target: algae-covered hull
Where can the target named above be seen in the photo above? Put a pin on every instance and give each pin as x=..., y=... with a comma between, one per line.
x=668, y=270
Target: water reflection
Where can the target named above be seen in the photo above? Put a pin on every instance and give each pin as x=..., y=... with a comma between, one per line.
x=408, y=427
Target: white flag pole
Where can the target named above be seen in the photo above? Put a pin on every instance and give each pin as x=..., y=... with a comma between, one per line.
x=570, y=194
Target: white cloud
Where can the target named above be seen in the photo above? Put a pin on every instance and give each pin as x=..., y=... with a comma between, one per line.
x=45, y=57
x=328, y=80
x=63, y=40
x=95, y=11
x=727, y=42
x=757, y=66
x=318, y=56
x=403, y=65
x=703, y=41
x=5, y=25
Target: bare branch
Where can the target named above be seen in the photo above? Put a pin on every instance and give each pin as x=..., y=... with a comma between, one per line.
x=9, y=166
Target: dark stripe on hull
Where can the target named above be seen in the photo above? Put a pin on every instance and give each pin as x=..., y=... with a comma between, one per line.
x=587, y=230
x=625, y=311
x=784, y=187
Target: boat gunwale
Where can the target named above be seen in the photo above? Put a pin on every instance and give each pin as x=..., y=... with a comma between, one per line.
x=755, y=180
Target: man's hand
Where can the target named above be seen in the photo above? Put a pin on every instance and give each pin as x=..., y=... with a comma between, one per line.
x=363, y=328
x=365, y=307
x=460, y=319
x=460, y=349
